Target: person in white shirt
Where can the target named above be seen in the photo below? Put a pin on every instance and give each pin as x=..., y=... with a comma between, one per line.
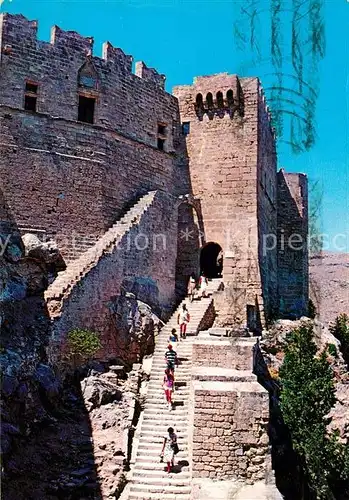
x=183, y=319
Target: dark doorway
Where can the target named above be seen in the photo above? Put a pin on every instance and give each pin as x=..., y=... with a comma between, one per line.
x=86, y=109
x=211, y=260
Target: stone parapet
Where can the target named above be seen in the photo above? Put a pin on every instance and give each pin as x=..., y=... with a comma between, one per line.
x=230, y=437
x=235, y=355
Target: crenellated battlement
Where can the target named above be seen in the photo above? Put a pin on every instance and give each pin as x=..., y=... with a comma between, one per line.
x=116, y=56
x=16, y=30
x=150, y=74
x=212, y=95
x=71, y=40
x=63, y=78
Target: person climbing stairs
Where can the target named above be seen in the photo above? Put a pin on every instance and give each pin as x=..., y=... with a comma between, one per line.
x=150, y=481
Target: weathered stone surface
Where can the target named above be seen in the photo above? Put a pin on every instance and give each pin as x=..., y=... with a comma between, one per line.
x=233, y=418
x=99, y=391
x=222, y=353
x=28, y=384
x=125, y=261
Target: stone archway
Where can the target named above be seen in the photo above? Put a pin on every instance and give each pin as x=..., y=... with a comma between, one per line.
x=211, y=260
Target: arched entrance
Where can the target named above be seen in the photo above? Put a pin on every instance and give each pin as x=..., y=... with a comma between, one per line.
x=211, y=260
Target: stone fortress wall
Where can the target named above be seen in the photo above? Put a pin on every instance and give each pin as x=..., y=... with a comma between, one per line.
x=82, y=138
x=69, y=178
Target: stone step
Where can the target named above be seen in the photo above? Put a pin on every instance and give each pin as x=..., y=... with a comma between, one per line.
x=156, y=388
x=151, y=425
x=155, y=385
x=161, y=367
x=157, y=435
x=158, y=399
x=161, y=410
x=180, y=408
x=160, y=474
x=160, y=361
x=149, y=451
x=157, y=404
x=149, y=420
x=179, y=348
x=160, y=496
x=152, y=464
x=175, y=479
x=145, y=489
x=160, y=468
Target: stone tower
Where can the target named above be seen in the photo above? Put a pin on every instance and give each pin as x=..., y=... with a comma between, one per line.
x=232, y=168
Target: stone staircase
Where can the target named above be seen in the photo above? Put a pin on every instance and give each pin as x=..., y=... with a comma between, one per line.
x=77, y=269
x=149, y=478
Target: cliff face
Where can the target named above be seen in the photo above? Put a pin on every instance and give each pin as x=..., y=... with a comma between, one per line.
x=29, y=386
x=329, y=285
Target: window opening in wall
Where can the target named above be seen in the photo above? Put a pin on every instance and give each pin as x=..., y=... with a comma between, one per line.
x=209, y=100
x=252, y=319
x=199, y=101
x=220, y=100
x=230, y=98
x=161, y=129
x=31, y=87
x=162, y=135
x=86, y=109
x=30, y=96
x=186, y=128
x=161, y=144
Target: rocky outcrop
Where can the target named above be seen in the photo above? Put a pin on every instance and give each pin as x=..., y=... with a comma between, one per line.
x=29, y=386
x=46, y=253
x=84, y=450
x=111, y=401
x=133, y=327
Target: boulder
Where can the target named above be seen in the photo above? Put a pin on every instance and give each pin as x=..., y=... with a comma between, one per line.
x=46, y=252
x=99, y=391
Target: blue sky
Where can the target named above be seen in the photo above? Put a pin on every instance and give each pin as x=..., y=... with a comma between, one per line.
x=185, y=38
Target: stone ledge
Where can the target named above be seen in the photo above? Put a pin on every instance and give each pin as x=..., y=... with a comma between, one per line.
x=217, y=374
x=238, y=387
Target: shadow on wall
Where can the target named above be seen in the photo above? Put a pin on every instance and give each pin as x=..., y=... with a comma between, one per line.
x=46, y=442
x=191, y=231
x=190, y=240
x=292, y=254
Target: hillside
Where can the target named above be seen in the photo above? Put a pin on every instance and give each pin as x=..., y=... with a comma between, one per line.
x=329, y=284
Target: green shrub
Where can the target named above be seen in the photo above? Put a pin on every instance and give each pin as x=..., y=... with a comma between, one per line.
x=307, y=396
x=332, y=349
x=340, y=329
x=82, y=343
x=311, y=309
